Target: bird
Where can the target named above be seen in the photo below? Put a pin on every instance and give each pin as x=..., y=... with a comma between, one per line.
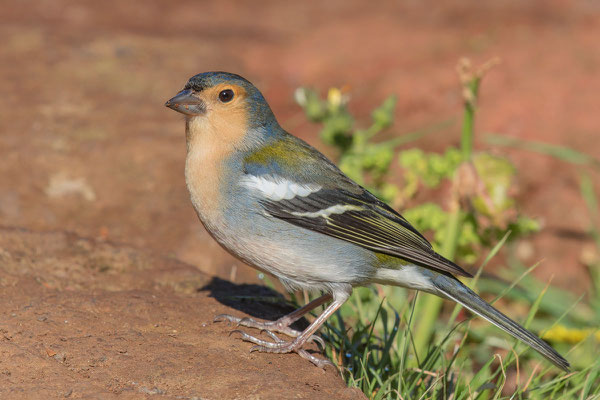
x=279, y=205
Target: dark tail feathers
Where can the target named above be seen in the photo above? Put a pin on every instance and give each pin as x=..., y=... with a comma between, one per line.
x=454, y=290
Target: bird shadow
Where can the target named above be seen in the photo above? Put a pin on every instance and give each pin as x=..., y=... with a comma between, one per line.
x=255, y=300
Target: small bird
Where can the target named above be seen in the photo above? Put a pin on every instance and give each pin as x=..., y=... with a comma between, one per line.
x=281, y=206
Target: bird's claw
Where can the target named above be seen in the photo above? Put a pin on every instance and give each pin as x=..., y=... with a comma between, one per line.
x=277, y=345
x=227, y=318
x=242, y=333
x=288, y=347
x=272, y=335
x=317, y=339
x=279, y=326
x=319, y=362
x=248, y=320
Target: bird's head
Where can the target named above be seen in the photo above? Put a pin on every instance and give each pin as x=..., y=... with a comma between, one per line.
x=222, y=98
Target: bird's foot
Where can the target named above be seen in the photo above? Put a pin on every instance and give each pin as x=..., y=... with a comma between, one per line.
x=279, y=325
x=282, y=325
x=281, y=346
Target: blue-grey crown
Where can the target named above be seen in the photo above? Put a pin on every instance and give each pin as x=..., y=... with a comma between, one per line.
x=259, y=111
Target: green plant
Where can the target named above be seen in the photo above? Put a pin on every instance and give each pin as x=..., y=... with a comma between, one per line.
x=366, y=162
x=480, y=206
x=480, y=183
x=394, y=348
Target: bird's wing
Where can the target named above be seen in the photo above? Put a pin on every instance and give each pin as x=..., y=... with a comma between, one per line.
x=300, y=185
x=360, y=219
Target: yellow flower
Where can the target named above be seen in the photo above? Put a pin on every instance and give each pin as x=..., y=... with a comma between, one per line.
x=561, y=333
x=334, y=97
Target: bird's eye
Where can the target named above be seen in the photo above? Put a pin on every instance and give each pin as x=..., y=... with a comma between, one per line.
x=226, y=95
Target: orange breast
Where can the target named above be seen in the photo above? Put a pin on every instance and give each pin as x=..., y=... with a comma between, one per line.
x=211, y=141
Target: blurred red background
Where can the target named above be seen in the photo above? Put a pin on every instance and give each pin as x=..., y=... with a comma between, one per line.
x=87, y=146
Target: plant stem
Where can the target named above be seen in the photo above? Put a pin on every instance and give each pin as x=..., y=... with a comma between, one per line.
x=466, y=139
x=430, y=306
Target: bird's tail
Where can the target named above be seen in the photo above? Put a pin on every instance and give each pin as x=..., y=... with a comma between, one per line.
x=454, y=290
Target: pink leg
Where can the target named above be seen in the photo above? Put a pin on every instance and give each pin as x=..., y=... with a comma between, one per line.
x=282, y=325
x=280, y=346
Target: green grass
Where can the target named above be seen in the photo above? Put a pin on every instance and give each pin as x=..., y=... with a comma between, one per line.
x=563, y=153
x=372, y=340
x=395, y=344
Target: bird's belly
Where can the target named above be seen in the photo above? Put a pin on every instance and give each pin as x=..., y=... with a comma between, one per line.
x=300, y=258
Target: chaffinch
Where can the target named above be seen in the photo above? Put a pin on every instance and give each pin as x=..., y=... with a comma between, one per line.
x=282, y=207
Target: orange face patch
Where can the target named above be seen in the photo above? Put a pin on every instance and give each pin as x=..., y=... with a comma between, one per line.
x=224, y=121
x=211, y=138
x=212, y=98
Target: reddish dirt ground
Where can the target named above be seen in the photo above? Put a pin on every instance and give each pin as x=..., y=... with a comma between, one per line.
x=88, y=147
x=87, y=319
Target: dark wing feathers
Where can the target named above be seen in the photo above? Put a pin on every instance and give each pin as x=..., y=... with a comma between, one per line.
x=367, y=222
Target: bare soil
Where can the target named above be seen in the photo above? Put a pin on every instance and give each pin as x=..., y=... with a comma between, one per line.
x=89, y=319
x=86, y=146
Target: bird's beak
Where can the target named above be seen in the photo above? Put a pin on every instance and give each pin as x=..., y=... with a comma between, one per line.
x=186, y=103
